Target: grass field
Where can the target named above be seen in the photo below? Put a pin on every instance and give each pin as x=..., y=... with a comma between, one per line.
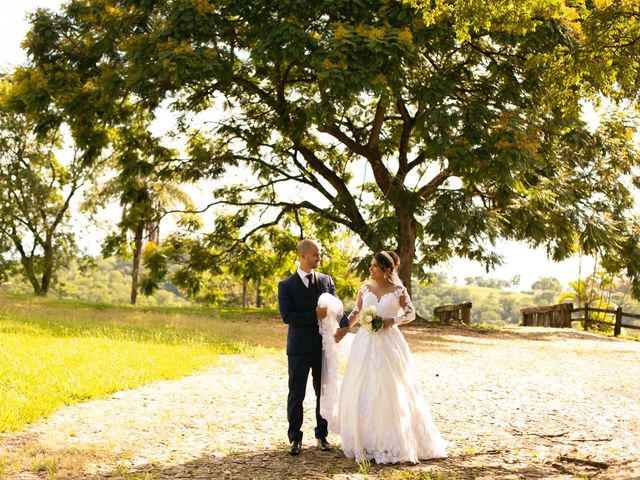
x=57, y=353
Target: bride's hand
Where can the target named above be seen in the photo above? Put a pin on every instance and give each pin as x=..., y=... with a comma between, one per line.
x=387, y=322
x=340, y=333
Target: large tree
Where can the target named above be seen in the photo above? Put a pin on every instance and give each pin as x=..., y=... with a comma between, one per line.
x=36, y=190
x=432, y=138
x=145, y=195
x=144, y=201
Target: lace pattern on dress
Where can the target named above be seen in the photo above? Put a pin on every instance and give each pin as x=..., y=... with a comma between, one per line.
x=383, y=414
x=356, y=309
x=407, y=314
x=383, y=448
x=408, y=311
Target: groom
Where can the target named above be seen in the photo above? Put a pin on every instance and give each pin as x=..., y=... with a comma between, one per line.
x=298, y=299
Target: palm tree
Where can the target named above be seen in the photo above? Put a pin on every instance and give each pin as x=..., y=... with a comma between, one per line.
x=590, y=293
x=145, y=203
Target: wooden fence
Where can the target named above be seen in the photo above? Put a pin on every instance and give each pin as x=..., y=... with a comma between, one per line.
x=562, y=316
x=460, y=312
x=617, y=316
x=550, y=316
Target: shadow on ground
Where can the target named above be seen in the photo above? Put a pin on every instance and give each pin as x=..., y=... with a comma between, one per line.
x=312, y=464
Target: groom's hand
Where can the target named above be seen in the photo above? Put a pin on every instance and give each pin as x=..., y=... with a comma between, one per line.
x=321, y=312
x=340, y=333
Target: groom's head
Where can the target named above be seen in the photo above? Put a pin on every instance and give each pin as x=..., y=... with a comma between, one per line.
x=309, y=254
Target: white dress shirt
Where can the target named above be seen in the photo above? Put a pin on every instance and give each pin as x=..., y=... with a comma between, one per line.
x=303, y=276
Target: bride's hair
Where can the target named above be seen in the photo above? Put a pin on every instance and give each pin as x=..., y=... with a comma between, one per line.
x=388, y=261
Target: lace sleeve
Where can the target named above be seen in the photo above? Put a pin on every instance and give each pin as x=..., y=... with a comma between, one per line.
x=353, y=316
x=409, y=312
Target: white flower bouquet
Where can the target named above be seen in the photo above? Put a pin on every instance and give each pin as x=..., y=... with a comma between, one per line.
x=371, y=320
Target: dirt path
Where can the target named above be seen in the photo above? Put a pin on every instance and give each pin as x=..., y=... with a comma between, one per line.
x=528, y=403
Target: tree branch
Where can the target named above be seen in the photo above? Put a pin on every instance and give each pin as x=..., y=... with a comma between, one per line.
x=373, y=145
x=420, y=158
x=430, y=188
x=266, y=98
x=407, y=127
x=289, y=205
x=317, y=185
x=75, y=185
x=339, y=135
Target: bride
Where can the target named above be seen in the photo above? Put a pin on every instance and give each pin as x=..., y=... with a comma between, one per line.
x=382, y=413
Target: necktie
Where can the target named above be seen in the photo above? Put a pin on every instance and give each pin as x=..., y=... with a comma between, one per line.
x=309, y=280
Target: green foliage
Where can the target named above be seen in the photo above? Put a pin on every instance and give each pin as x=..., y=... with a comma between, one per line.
x=546, y=297
x=546, y=283
x=227, y=266
x=600, y=52
x=144, y=193
x=492, y=282
x=36, y=190
x=184, y=269
x=7, y=265
x=433, y=138
x=601, y=290
x=103, y=281
x=498, y=15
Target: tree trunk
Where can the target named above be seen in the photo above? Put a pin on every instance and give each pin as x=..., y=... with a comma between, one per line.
x=406, y=241
x=407, y=233
x=27, y=265
x=47, y=269
x=258, y=296
x=244, y=293
x=45, y=283
x=154, y=231
x=137, y=256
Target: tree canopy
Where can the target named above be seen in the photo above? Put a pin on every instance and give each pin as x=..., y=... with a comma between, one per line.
x=603, y=53
x=36, y=190
x=433, y=129
x=547, y=283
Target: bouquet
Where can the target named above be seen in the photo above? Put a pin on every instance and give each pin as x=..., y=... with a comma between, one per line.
x=371, y=320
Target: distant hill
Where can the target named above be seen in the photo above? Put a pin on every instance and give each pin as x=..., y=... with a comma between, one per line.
x=490, y=305
x=109, y=281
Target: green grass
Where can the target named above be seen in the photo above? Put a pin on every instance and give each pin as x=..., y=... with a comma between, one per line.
x=364, y=467
x=57, y=353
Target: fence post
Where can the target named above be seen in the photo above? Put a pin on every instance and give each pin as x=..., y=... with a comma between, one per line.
x=586, y=317
x=618, y=326
x=566, y=320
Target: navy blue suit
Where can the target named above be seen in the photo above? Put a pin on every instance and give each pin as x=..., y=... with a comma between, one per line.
x=304, y=345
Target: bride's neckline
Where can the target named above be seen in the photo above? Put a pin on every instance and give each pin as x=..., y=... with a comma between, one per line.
x=379, y=299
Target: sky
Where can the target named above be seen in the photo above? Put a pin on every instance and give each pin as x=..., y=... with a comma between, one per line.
x=519, y=259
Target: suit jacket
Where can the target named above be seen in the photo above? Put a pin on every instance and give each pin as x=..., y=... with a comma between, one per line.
x=298, y=310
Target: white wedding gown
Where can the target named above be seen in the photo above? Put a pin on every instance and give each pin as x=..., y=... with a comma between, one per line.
x=382, y=413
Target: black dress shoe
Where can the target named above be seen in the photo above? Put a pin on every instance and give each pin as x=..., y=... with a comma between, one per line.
x=324, y=445
x=295, y=448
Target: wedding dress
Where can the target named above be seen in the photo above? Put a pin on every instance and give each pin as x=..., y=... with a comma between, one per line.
x=382, y=413
x=333, y=354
